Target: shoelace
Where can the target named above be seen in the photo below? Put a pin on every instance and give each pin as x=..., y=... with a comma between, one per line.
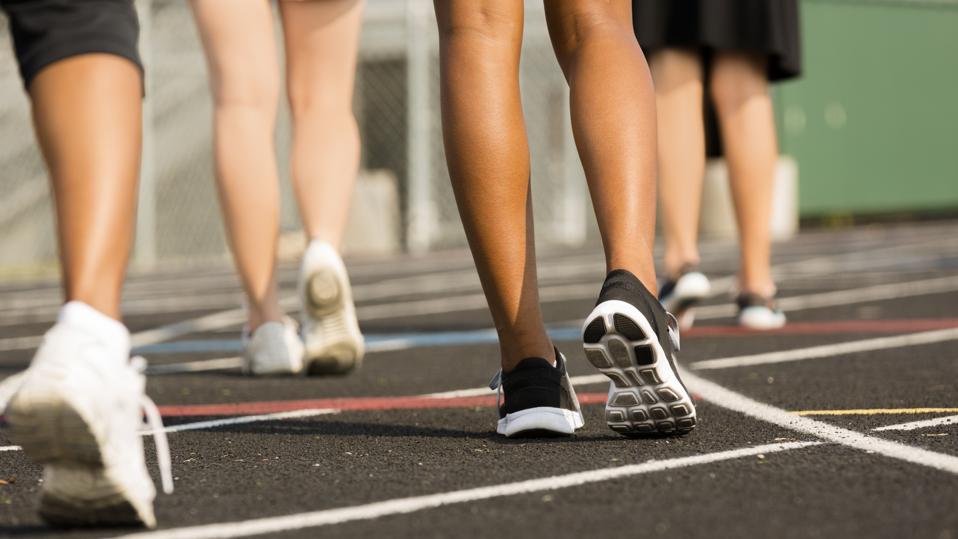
x=155, y=423
x=496, y=384
x=9, y=387
x=674, y=332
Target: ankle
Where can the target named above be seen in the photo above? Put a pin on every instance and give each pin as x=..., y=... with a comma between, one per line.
x=765, y=287
x=259, y=316
x=105, y=328
x=512, y=352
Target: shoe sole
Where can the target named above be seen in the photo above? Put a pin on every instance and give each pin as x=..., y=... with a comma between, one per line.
x=324, y=297
x=646, y=396
x=761, y=322
x=107, y=508
x=53, y=432
x=542, y=421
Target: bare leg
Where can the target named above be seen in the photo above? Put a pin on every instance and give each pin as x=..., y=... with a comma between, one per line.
x=740, y=91
x=322, y=40
x=87, y=114
x=613, y=120
x=488, y=156
x=678, y=91
x=245, y=83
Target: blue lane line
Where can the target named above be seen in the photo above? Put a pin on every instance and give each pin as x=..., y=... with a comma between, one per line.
x=373, y=342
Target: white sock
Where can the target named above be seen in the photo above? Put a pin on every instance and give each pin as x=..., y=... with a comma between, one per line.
x=107, y=330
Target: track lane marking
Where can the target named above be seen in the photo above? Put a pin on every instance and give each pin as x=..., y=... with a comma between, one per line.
x=915, y=425
x=235, y=317
x=844, y=297
x=731, y=400
x=828, y=350
x=243, y=420
x=401, y=506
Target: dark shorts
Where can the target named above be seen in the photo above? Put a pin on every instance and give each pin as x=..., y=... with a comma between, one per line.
x=766, y=27
x=46, y=31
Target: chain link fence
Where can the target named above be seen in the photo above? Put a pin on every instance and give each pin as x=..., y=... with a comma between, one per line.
x=396, y=103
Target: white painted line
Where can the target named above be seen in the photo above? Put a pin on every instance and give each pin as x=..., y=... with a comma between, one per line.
x=737, y=402
x=201, y=425
x=844, y=297
x=228, y=421
x=203, y=365
x=829, y=350
x=209, y=322
x=402, y=506
x=923, y=424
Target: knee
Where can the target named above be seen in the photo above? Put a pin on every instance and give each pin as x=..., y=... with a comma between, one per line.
x=582, y=26
x=736, y=80
x=318, y=99
x=483, y=22
x=247, y=89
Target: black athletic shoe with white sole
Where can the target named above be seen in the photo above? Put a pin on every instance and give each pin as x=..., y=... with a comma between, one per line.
x=537, y=399
x=631, y=339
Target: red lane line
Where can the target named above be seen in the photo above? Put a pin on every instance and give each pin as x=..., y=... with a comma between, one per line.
x=830, y=327
x=345, y=404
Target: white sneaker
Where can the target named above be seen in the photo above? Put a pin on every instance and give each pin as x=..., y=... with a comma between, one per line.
x=330, y=330
x=679, y=296
x=758, y=312
x=273, y=349
x=78, y=412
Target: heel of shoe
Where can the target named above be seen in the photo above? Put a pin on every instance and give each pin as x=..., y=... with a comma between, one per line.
x=76, y=497
x=339, y=358
x=51, y=430
x=324, y=293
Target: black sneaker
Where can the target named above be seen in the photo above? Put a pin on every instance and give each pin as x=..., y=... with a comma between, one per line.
x=537, y=399
x=631, y=339
x=680, y=293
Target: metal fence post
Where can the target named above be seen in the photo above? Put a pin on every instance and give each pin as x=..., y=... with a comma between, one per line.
x=421, y=212
x=145, y=248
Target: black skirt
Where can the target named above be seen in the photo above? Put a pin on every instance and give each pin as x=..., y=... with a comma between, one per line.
x=769, y=27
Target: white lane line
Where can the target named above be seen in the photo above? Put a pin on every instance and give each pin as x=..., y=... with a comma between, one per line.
x=242, y=420
x=476, y=301
x=829, y=350
x=737, y=402
x=202, y=365
x=924, y=424
x=228, y=421
x=844, y=297
x=402, y=506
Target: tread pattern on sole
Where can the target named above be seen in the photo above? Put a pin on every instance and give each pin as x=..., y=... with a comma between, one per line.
x=324, y=297
x=51, y=431
x=640, y=401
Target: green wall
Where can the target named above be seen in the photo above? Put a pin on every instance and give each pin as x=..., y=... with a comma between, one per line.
x=874, y=121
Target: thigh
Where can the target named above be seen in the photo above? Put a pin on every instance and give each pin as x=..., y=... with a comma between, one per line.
x=240, y=48
x=322, y=41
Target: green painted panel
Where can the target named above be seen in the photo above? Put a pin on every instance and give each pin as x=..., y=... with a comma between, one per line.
x=874, y=122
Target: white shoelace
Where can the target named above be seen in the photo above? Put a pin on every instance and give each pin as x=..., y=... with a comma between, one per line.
x=155, y=423
x=9, y=387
